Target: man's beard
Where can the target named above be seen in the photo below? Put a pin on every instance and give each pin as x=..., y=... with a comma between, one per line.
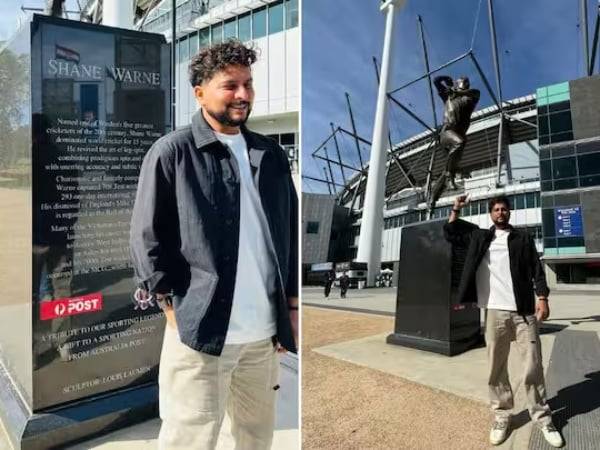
x=225, y=119
x=501, y=224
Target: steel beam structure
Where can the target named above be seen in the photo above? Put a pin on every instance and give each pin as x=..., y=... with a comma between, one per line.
x=595, y=43
x=427, y=70
x=585, y=35
x=355, y=134
x=337, y=149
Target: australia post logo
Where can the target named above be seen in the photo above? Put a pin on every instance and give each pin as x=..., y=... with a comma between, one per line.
x=70, y=306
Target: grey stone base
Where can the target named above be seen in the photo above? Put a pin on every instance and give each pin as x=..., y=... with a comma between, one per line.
x=76, y=421
x=448, y=348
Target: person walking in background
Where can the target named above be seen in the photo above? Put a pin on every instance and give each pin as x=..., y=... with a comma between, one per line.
x=344, y=284
x=503, y=264
x=214, y=240
x=329, y=279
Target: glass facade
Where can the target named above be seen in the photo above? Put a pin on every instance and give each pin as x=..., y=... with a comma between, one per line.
x=554, y=114
x=259, y=23
x=256, y=24
x=245, y=27
x=288, y=141
x=569, y=166
x=312, y=227
x=291, y=14
x=230, y=29
x=276, y=18
x=566, y=166
x=562, y=222
x=517, y=201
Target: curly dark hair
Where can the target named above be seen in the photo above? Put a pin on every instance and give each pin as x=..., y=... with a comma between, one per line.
x=211, y=60
x=500, y=199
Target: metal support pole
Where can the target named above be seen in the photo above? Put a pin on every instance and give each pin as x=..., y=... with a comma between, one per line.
x=341, y=165
x=173, y=62
x=410, y=113
x=337, y=149
x=328, y=186
x=354, y=130
x=354, y=135
x=485, y=81
x=595, y=43
x=329, y=166
x=403, y=171
x=499, y=154
x=426, y=60
x=308, y=177
x=524, y=122
x=585, y=35
x=322, y=144
x=495, y=50
x=369, y=246
x=430, y=170
x=422, y=77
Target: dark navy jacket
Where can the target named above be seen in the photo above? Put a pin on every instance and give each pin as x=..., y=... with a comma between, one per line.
x=185, y=229
x=526, y=270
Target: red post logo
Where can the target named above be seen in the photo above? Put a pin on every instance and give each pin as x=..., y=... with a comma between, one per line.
x=70, y=306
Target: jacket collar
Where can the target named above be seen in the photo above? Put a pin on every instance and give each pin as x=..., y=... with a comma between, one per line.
x=204, y=135
x=510, y=229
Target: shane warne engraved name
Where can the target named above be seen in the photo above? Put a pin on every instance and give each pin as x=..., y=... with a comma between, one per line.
x=88, y=71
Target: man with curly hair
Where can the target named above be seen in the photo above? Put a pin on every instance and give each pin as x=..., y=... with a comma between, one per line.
x=214, y=240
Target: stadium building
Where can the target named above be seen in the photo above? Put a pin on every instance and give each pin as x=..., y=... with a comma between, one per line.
x=272, y=27
x=548, y=166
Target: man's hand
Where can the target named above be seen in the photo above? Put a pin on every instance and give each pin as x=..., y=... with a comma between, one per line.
x=461, y=201
x=293, y=302
x=169, y=312
x=542, y=310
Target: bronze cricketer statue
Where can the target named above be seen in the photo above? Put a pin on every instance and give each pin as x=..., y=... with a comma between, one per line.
x=459, y=103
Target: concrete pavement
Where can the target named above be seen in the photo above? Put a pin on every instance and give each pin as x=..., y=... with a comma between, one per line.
x=143, y=436
x=465, y=375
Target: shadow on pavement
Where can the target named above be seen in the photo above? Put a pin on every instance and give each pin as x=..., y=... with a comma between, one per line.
x=572, y=401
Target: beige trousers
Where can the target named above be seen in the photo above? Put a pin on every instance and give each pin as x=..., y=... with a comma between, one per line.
x=195, y=390
x=501, y=328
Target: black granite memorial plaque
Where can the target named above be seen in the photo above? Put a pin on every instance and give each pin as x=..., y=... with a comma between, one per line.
x=77, y=353
x=428, y=317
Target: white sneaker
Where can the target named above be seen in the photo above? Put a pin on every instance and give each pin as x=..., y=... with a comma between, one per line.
x=498, y=433
x=552, y=436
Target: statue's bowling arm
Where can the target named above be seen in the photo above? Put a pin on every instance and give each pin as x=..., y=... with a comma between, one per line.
x=443, y=84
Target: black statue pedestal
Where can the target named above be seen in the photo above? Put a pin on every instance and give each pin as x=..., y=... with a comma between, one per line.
x=86, y=103
x=427, y=316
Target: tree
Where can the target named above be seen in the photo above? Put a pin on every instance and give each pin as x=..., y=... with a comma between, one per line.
x=14, y=107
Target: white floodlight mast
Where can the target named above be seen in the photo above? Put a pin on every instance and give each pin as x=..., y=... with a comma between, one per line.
x=369, y=244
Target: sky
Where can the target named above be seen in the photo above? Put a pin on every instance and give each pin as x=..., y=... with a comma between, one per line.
x=10, y=13
x=539, y=43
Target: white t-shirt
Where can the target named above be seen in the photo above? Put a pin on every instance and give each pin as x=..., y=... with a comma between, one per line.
x=252, y=314
x=494, y=282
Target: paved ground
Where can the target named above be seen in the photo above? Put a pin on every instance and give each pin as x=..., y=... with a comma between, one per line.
x=438, y=385
x=143, y=436
x=351, y=406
